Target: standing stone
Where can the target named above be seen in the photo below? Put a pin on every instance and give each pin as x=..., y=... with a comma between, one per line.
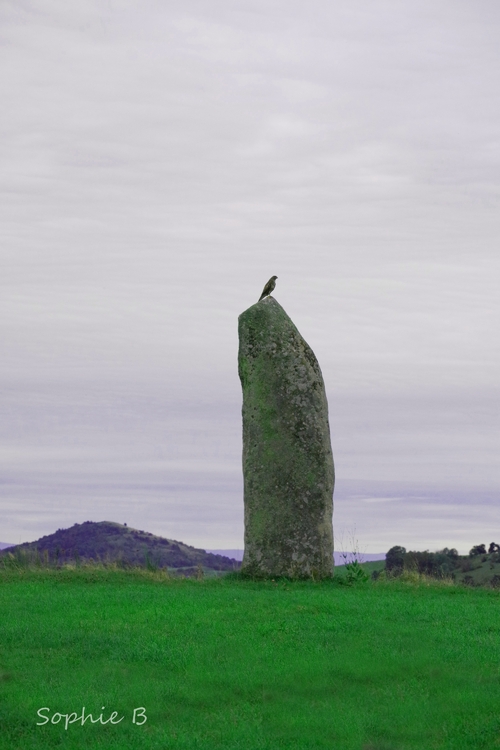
x=287, y=456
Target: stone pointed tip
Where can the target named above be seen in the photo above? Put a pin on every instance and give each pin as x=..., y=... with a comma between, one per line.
x=268, y=301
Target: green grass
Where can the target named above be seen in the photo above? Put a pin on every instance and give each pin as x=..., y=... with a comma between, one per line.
x=227, y=664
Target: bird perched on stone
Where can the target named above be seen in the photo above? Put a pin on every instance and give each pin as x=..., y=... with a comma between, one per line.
x=269, y=287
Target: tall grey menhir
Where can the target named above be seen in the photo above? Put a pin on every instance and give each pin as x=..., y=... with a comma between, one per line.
x=287, y=456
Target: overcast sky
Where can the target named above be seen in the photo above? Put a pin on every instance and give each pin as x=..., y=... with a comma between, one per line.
x=159, y=162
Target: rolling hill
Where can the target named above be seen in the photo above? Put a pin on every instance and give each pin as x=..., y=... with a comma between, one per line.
x=108, y=541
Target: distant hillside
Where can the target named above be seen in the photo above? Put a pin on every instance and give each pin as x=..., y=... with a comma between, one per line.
x=237, y=554
x=114, y=542
x=481, y=567
x=234, y=554
x=4, y=545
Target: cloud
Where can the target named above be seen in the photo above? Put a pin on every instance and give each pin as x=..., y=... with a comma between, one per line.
x=381, y=499
x=161, y=161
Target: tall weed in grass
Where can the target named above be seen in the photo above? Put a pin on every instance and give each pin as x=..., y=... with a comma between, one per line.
x=352, y=560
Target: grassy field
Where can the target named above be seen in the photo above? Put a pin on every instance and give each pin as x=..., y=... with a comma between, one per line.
x=230, y=664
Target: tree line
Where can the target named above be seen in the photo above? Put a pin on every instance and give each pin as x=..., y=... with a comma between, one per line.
x=438, y=564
